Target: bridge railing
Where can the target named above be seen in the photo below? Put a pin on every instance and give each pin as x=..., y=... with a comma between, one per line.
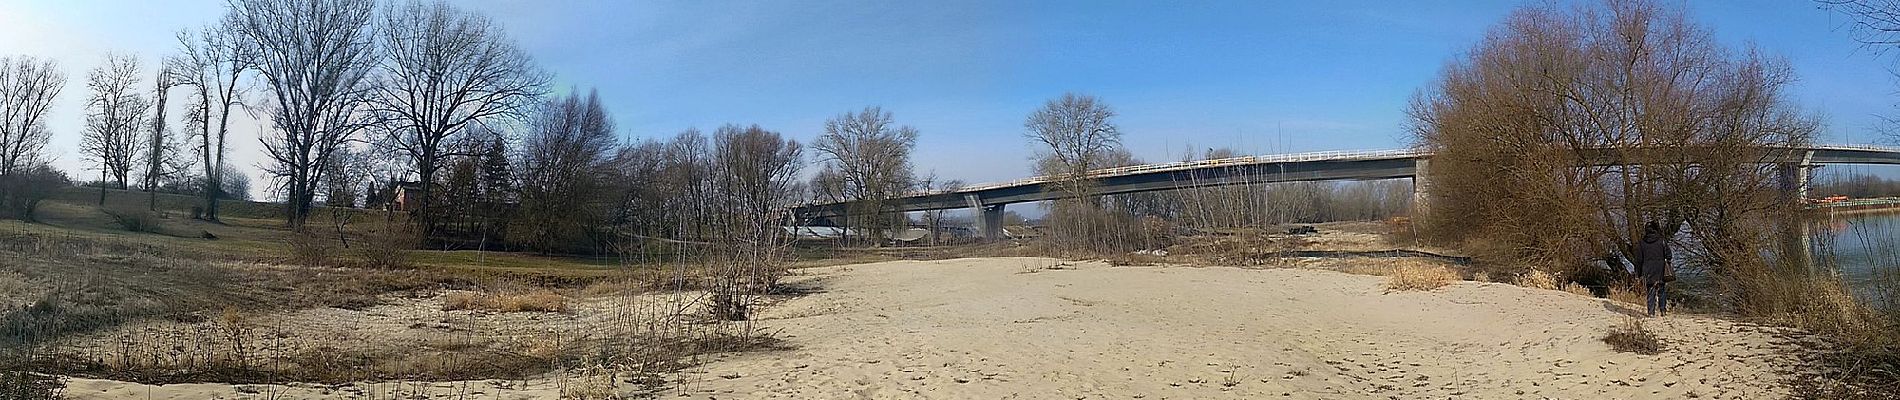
x=1262, y=159
x=1863, y=147
x=1184, y=165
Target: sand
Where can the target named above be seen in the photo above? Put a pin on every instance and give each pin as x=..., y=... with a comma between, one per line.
x=1010, y=328
x=1033, y=328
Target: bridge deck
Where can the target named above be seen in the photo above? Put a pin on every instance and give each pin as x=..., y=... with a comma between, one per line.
x=1313, y=166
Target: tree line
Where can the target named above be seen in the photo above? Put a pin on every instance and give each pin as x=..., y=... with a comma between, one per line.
x=368, y=100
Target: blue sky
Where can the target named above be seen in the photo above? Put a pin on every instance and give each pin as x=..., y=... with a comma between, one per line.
x=1257, y=76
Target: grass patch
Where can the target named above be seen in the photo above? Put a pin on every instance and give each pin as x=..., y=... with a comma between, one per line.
x=1631, y=336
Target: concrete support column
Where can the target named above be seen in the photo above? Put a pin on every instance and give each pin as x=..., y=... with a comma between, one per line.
x=1793, y=178
x=993, y=223
x=1421, y=189
x=988, y=218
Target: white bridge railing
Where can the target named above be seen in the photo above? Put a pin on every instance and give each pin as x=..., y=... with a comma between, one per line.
x=1260, y=159
x=1198, y=164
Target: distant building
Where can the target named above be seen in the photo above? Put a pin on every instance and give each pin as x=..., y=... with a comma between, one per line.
x=405, y=196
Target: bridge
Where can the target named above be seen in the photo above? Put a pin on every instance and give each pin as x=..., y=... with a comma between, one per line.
x=987, y=200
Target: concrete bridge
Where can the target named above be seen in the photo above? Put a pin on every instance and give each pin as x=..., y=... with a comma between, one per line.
x=987, y=200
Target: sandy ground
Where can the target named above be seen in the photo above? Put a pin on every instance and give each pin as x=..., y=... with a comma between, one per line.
x=1032, y=328
x=1012, y=328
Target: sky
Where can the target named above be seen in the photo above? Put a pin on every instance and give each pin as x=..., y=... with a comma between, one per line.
x=1256, y=76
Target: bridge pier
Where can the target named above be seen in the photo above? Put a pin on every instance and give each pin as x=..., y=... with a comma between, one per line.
x=1796, y=236
x=988, y=218
x=1794, y=177
x=1421, y=189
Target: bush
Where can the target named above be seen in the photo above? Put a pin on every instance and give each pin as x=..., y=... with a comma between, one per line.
x=22, y=191
x=134, y=220
x=1631, y=337
x=312, y=251
x=387, y=248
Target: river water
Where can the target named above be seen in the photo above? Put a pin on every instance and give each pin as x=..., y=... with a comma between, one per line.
x=1866, y=247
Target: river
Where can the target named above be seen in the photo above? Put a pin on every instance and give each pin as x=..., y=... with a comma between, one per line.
x=1866, y=247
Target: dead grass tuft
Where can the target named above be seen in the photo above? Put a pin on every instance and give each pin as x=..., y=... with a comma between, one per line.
x=1631, y=336
x=1631, y=293
x=1407, y=277
x=534, y=301
x=1538, y=279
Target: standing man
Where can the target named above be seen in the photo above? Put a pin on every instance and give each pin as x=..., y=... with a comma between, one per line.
x=1652, y=262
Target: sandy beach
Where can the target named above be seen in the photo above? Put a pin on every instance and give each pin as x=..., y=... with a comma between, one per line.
x=1036, y=328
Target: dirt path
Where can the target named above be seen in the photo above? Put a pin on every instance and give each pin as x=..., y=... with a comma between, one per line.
x=1012, y=328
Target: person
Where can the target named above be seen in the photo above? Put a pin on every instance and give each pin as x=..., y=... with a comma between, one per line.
x=1652, y=262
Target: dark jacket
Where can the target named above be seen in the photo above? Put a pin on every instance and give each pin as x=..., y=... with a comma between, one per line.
x=1652, y=259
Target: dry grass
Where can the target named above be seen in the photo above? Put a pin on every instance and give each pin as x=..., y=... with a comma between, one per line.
x=542, y=300
x=1631, y=336
x=1631, y=293
x=23, y=385
x=1416, y=277
x=1538, y=279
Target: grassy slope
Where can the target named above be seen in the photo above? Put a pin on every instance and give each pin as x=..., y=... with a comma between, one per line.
x=256, y=231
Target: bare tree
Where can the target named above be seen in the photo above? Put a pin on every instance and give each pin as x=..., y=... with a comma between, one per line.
x=27, y=89
x=212, y=62
x=934, y=218
x=869, y=158
x=115, y=113
x=445, y=69
x=564, y=164
x=1876, y=25
x=161, y=151
x=755, y=174
x=1517, y=127
x=315, y=57
x=1078, y=136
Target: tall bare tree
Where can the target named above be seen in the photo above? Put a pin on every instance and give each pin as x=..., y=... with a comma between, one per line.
x=867, y=157
x=212, y=62
x=564, y=165
x=443, y=70
x=161, y=151
x=315, y=56
x=1078, y=135
x=27, y=89
x=755, y=174
x=115, y=113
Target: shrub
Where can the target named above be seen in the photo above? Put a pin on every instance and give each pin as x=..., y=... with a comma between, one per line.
x=1412, y=276
x=387, y=248
x=1631, y=337
x=312, y=251
x=22, y=191
x=133, y=220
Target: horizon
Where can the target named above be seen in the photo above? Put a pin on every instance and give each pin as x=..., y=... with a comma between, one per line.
x=1181, y=80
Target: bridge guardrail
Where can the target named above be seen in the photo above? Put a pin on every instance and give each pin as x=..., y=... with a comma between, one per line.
x=1262, y=159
